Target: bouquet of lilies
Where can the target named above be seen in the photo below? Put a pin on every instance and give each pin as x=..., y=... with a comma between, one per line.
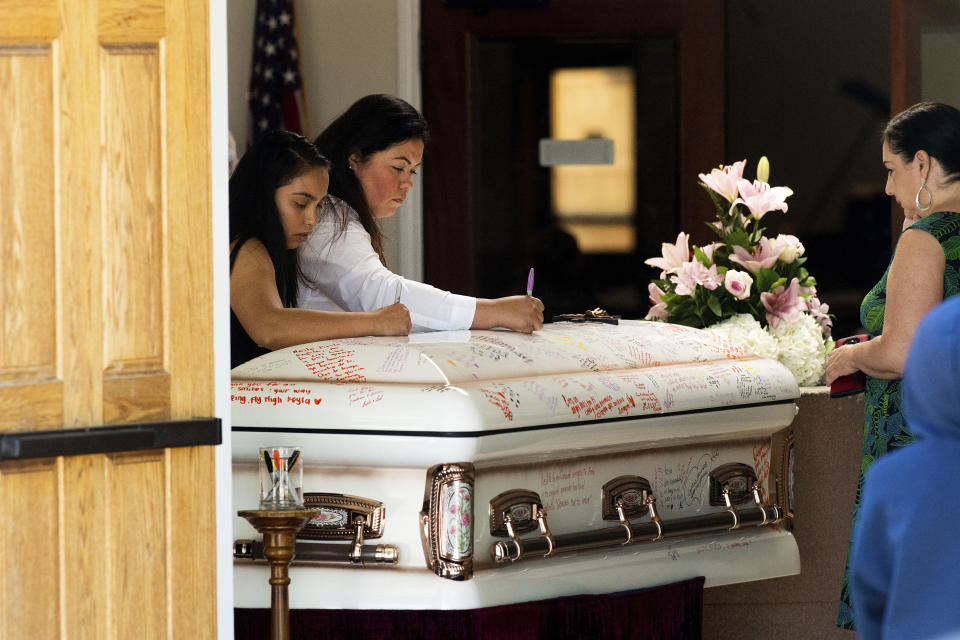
x=751, y=288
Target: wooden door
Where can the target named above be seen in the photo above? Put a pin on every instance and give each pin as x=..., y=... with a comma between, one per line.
x=106, y=354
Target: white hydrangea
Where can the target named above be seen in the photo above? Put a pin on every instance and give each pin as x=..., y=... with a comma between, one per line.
x=743, y=329
x=802, y=349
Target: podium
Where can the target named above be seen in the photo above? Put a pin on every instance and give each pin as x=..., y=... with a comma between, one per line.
x=279, y=529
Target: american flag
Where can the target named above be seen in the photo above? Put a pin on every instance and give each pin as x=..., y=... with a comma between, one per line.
x=275, y=82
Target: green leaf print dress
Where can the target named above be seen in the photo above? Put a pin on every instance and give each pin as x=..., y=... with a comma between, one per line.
x=883, y=426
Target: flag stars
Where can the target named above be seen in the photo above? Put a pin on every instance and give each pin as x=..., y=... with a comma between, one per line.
x=276, y=73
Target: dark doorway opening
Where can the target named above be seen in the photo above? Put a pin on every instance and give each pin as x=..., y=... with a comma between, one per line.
x=593, y=255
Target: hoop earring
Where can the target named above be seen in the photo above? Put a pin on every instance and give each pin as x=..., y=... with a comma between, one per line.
x=916, y=200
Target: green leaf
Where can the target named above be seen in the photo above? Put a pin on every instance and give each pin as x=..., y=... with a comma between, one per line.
x=779, y=282
x=714, y=305
x=701, y=256
x=739, y=238
x=719, y=201
x=765, y=279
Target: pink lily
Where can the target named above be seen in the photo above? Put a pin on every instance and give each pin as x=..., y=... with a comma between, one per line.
x=658, y=311
x=674, y=255
x=724, y=180
x=693, y=274
x=783, y=305
x=760, y=197
x=763, y=257
x=819, y=311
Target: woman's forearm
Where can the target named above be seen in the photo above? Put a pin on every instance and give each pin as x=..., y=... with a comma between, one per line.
x=879, y=358
x=282, y=328
x=519, y=313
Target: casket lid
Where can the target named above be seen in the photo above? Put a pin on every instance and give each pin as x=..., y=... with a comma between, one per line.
x=456, y=357
x=485, y=382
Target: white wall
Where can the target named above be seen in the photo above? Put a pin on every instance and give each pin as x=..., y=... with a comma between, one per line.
x=348, y=49
x=940, y=51
x=221, y=318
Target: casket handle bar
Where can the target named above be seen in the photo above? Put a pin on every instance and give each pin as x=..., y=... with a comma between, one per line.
x=625, y=499
x=356, y=549
x=345, y=518
x=732, y=484
x=325, y=553
x=516, y=512
x=338, y=516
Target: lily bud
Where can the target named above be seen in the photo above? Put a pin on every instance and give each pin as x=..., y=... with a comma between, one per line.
x=763, y=170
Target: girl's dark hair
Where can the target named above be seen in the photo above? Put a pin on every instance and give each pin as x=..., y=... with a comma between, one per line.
x=371, y=124
x=275, y=159
x=931, y=126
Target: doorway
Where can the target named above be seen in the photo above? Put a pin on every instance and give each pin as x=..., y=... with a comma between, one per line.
x=493, y=79
x=586, y=228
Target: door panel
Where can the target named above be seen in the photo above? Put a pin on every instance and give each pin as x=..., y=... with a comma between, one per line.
x=28, y=291
x=31, y=499
x=106, y=290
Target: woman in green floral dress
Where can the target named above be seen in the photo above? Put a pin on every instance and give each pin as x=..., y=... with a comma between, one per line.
x=921, y=154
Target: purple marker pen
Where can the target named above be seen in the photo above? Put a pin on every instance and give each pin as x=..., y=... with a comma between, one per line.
x=530, y=282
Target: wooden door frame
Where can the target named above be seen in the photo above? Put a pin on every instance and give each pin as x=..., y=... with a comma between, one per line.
x=904, y=86
x=449, y=49
x=907, y=19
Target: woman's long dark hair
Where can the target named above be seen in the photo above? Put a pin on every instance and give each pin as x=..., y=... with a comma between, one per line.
x=371, y=124
x=275, y=159
x=931, y=126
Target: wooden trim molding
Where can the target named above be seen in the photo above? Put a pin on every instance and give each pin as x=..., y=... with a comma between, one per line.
x=112, y=439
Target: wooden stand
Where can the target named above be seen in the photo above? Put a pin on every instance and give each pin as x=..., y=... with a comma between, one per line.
x=279, y=529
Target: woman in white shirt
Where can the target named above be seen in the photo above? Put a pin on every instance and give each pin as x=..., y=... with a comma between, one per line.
x=376, y=147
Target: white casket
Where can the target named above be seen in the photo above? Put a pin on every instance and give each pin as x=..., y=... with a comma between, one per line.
x=488, y=467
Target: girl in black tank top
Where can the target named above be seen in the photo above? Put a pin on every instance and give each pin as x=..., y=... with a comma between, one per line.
x=275, y=195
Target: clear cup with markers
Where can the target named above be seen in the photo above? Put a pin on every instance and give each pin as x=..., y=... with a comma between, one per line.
x=281, y=478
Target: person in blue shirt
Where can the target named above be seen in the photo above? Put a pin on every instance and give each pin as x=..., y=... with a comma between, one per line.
x=906, y=555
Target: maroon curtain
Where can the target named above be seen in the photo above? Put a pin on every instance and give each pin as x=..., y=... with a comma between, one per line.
x=670, y=612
